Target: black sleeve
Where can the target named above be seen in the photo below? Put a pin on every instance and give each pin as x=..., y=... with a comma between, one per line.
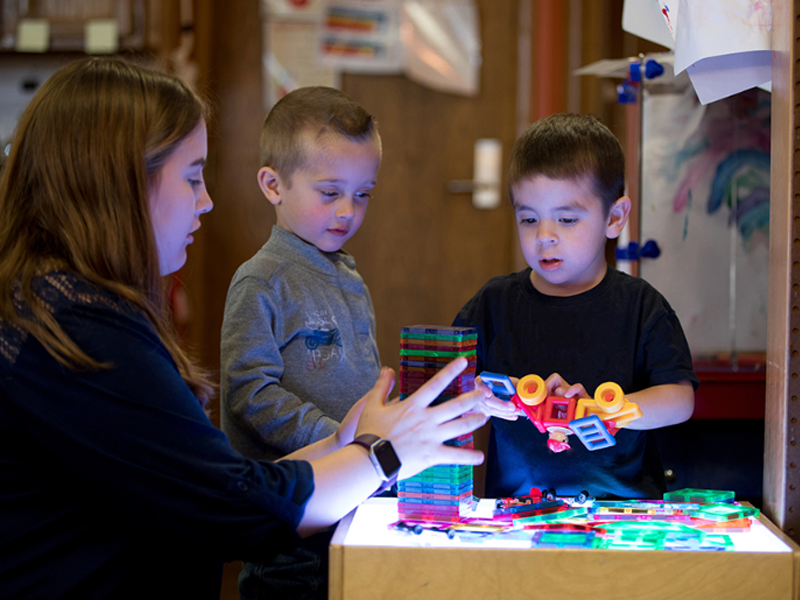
x=136, y=436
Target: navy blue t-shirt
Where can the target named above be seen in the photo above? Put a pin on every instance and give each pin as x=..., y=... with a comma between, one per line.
x=113, y=482
x=622, y=330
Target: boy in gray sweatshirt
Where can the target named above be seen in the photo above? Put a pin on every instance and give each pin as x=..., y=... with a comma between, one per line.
x=298, y=335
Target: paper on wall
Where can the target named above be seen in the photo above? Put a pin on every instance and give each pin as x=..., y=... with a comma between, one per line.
x=725, y=46
x=642, y=18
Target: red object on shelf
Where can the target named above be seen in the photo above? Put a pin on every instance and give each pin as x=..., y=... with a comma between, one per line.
x=728, y=393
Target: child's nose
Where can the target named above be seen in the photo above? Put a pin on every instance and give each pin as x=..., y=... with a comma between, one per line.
x=546, y=235
x=345, y=208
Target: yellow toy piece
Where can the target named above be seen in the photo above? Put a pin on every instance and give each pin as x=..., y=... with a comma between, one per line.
x=626, y=415
x=531, y=390
x=609, y=397
x=606, y=397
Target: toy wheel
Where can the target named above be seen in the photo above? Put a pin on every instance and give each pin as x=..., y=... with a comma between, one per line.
x=609, y=397
x=549, y=495
x=418, y=529
x=451, y=533
x=531, y=390
x=582, y=497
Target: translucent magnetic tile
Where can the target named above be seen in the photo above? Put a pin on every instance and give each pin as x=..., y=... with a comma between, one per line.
x=560, y=515
x=699, y=495
x=656, y=526
x=724, y=512
x=439, y=331
x=564, y=539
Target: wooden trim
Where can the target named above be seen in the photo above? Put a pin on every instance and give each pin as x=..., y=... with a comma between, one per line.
x=781, y=454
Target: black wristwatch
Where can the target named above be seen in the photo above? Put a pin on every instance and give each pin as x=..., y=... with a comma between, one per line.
x=383, y=457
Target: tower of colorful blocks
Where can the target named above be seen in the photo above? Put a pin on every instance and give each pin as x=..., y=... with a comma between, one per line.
x=442, y=493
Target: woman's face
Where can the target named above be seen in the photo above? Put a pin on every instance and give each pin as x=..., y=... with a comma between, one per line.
x=178, y=198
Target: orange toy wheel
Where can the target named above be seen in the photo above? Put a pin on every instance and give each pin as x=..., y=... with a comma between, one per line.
x=609, y=397
x=531, y=390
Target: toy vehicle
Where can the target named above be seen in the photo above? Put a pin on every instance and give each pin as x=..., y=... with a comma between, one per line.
x=594, y=421
x=323, y=338
x=418, y=527
x=474, y=527
x=539, y=507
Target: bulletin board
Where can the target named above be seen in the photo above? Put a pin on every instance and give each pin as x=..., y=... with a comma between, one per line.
x=705, y=201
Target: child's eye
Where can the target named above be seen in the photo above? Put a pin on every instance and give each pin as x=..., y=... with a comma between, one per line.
x=569, y=220
x=528, y=221
x=195, y=182
x=328, y=194
x=363, y=195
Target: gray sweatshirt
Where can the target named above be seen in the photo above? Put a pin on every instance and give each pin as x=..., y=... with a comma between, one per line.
x=298, y=347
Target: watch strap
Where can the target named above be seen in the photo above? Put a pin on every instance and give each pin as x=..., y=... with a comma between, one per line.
x=366, y=440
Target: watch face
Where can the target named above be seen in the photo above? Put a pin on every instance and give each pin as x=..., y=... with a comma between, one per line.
x=387, y=458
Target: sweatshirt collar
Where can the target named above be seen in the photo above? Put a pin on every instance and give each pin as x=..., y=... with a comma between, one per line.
x=297, y=249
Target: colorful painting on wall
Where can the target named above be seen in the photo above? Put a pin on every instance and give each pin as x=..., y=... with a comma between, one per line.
x=705, y=201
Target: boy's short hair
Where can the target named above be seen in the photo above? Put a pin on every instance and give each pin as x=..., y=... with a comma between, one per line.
x=571, y=146
x=317, y=111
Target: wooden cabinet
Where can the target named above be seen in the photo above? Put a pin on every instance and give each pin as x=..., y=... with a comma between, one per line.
x=140, y=25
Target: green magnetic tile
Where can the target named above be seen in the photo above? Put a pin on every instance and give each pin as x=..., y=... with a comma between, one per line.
x=612, y=544
x=700, y=495
x=723, y=512
x=565, y=539
x=560, y=515
x=441, y=338
x=648, y=526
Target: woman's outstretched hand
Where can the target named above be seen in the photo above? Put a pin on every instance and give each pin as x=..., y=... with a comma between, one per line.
x=343, y=473
x=416, y=429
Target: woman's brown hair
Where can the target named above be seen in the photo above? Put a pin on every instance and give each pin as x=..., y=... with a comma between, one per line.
x=74, y=193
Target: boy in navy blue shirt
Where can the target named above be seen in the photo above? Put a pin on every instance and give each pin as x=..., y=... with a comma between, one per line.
x=570, y=317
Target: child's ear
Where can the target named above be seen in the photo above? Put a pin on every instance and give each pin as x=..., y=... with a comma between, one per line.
x=617, y=217
x=270, y=183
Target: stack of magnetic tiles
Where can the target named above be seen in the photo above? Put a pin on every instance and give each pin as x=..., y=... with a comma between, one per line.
x=442, y=493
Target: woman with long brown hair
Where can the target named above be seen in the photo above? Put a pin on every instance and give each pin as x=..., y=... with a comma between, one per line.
x=113, y=482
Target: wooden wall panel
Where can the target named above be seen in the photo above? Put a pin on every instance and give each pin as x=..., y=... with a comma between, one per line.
x=782, y=455
x=229, y=59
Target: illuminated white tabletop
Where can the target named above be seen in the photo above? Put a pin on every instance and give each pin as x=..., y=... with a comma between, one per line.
x=370, y=526
x=369, y=560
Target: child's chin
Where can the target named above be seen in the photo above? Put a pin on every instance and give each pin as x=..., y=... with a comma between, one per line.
x=331, y=246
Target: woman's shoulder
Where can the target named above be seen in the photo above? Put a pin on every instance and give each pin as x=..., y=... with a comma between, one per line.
x=69, y=299
x=63, y=290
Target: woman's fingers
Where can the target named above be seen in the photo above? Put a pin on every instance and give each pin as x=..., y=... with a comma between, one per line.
x=437, y=384
x=463, y=425
x=450, y=455
x=382, y=388
x=455, y=407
